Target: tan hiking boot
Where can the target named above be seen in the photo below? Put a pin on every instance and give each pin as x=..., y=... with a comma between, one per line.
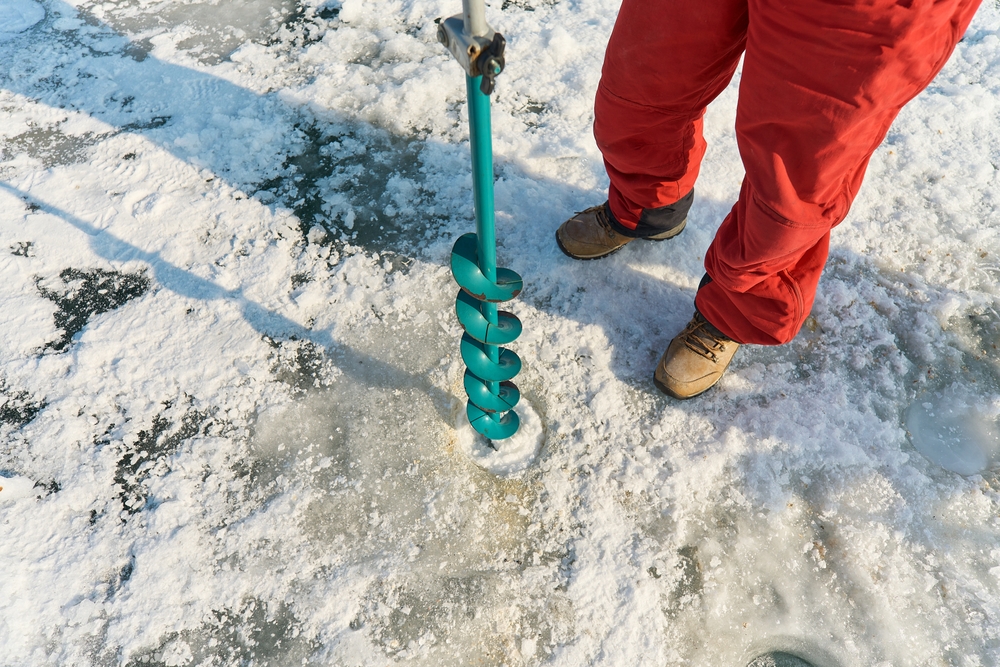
x=590, y=234
x=695, y=360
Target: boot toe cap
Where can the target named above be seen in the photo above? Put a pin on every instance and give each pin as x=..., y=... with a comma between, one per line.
x=578, y=240
x=684, y=374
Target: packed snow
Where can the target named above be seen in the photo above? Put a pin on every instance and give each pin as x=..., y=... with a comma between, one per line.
x=231, y=397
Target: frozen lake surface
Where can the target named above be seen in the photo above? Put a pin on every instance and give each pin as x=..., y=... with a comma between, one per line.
x=231, y=394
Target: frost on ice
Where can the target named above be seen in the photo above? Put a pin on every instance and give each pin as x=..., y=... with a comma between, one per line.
x=231, y=391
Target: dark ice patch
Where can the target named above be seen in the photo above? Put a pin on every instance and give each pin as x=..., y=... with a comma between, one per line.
x=329, y=11
x=361, y=184
x=305, y=24
x=527, y=5
x=17, y=407
x=300, y=364
x=258, y=634
x=689, y=581
x=151, y=124
x=23, y=249
x=84, y=293
x=148, y=457
x=50, y=146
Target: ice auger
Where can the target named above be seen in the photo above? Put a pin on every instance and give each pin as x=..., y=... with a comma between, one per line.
x=489, y=368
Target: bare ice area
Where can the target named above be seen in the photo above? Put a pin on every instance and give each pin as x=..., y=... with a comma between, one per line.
x=950, y=429
x=17, y=16
x=231, y=392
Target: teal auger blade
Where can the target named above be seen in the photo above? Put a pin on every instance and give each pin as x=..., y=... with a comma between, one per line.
x=491, y=427
x=465, y=267
x=477, y=360
x=470, y=314
x=482, y=398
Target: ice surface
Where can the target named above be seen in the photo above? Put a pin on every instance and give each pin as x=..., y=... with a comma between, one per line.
x=230, y=378
x=955, y=420
x=17, y=16
x=950, y=429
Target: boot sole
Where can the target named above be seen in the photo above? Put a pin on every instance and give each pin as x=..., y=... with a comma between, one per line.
x=663, y=388
x=659, y=237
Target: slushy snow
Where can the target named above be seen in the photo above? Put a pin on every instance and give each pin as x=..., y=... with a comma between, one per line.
x=231, y=393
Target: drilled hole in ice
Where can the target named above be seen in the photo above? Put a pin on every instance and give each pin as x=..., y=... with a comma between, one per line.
x=503, y=457
x=778, y=659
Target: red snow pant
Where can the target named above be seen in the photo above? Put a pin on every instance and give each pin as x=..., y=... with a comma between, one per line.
x=822, y=81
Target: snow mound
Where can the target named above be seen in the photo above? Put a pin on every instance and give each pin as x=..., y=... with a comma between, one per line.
x=14, y=488
x=512, y=455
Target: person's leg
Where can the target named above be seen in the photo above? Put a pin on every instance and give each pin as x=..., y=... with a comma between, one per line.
x=821, y=84
x=665, y=61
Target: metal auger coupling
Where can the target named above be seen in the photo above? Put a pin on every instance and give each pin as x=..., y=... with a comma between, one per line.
x=492, y=396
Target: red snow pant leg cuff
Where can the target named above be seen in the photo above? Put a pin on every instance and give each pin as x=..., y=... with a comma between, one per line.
x=764, y=274
x=652, y=158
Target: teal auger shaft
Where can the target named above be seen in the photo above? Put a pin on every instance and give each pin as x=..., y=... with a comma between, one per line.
x=481, y=143
x=489, y=367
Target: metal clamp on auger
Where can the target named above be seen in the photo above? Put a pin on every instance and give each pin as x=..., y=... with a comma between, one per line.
x=489, y=368
x=490, y=63
x=478, y=48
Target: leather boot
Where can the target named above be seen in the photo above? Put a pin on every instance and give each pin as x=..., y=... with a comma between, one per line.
x=695, y=359
x=591, y=234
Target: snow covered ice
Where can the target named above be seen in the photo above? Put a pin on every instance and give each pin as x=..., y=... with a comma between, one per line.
x=231, y=395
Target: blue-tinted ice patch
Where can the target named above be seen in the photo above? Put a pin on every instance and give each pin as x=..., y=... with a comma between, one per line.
x=16, y=16
x=956, y=429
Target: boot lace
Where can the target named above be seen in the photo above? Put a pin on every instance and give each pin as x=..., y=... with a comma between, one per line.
x=602, y=218
x=702, y=338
